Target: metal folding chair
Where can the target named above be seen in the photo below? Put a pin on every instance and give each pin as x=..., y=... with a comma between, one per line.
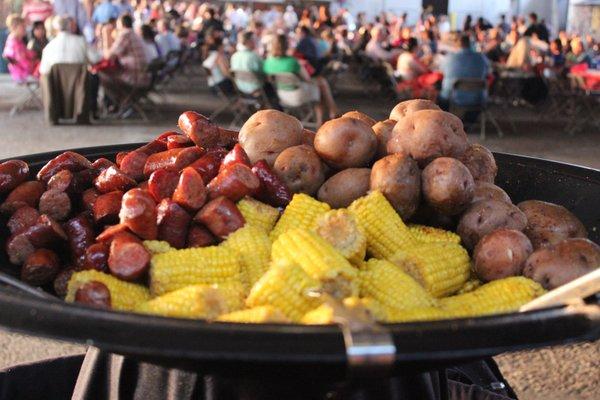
x=287, y=83
x=228, y=102
x=474, y=85
x=248, y=103
x=31, y=98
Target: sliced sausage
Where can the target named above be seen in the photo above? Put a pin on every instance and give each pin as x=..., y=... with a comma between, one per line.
x=200, y=129
x=199, y=236
x=106, y=208
x=272, y=189
x=138, y=213
x=177, y=141
x=190, y=192
x=157, y=145
x=60, y=181
x=173, y=222
x=208, y=165
x=128, y=259
x=22, y=219
x=119, y=157
x=26, y=194
x=19, y=248
x=94, y=294
x=173, y=160
x=68, y=160
x=55, y=204
x=112, y=179
x=221, y=217
x=162, y=183
x=237, y=155
x=12, y=174
x=110, y=232
x=102, y=163
x=45, y=233
x=234, y=182
x=96, y=257
x=133, y=164
x=89, y=197
x=40, y=268
x=61, y=282
x=80, y=235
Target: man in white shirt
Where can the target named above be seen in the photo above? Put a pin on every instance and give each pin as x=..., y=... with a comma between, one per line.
x=66, y=47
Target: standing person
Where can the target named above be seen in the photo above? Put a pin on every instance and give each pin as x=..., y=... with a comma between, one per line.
x=21, y=62
x=36, y=11
x=468, y=24
x=104, y=12
x=538, y=28
x=503, y=26
x=123, y=7
x=375, y=47
x=38, y=39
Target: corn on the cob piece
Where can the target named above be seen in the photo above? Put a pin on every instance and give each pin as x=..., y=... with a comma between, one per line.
x=195, y=301
x=469, y=286
x=124, y=296
x=390, y=286
x=440, y=267
x=180, y=268
x=319, y=260
x=503, y=295
x=328, y=313
x=302, y=212
x=157, y=246
x=375, y=308
x=257, y=315
x=253, y=247
x=341, y=230
x=258, y=214
x=383, y=227
x=286, y=287
x=234, y=294
x=429, y=234
x=417, y=314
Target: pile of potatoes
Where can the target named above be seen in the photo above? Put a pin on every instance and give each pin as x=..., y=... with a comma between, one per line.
x=421, y=160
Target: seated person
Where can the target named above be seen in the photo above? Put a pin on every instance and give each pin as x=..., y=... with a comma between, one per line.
x=577, y=55
x=375, y=47
x=38, y=39
x=465, y=63
x=218, y=66
x=166, y=41
x=314, y=90
x=557, y=58
x=150, y=46
x=409, y=66
x=22, y=62
x=245, y=59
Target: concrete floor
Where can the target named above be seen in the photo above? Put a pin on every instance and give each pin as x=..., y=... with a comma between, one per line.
x=561, y=372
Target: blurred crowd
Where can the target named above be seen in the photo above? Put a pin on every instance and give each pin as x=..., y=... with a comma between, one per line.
x=121, y=39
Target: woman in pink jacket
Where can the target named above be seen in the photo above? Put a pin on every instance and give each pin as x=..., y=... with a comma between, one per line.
x=22, y=62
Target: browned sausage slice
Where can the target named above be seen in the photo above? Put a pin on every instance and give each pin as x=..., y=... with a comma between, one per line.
x=173, y=222
x=173, y=160
x=80, y=234
x=162, y=183
x=55, y=204
x=199, y=236
x=68, y=160
x=133, y=164
x=89, y=197
x=234, y=182
x=40, y=268
x=110, y=232
x=18, y=248
x=45, y=233
x=94, y=294
x=12, y=174
x=22, y=219
x=96, y=257
x=128, y=259
x=106, y=208
x=26, y=194
x=112, y=179
x=138, y=213
x=177, y=141
x=190, y=192
x=221, y=217
x=208, y=165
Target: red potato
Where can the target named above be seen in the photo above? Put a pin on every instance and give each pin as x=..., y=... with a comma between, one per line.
x=237, y=155
x=55, y=204
x=12, y=174
x=102, y=163
x=133, y=164
x=549, y=223
x=447, y=186
x=398, y=178
x=110, y=232
x=106, y=208
x=112, y=179
x=138, y=213
x=221, y=216
x=301, y=169
x=26, y=194
x=162, y=184
x=408, y=107
x=190, y=192
x=173, y=222
x=480, y=161
x=89, y=197
x=22, y=219
x=208, y=165
x=199, y=236
x=428, y=134
x=96, y=257
x=383, y=132
x=173, y=160
x=340, y=190
x=488, y=191
x=272, y=190
x=128, y=259
x=500, y=254
x=309, y=137
x=177, y=141
x=360, y=116
x=346, y=143
x=94, y=294
x=80, y=236
x=560, y=263
x=70, y=160
x=40, y=268
x=203, y=132
x=61, y=281
x=234, y=182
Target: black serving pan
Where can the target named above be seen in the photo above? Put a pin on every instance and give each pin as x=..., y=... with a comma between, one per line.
x=208, y=347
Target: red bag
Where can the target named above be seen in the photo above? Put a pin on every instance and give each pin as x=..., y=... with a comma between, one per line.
x=106, y=65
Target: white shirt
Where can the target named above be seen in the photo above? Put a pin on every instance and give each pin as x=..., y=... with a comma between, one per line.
x=216, y=76
x=67, y=48
x=151, y=51
x=408, y=68
x=167, y=42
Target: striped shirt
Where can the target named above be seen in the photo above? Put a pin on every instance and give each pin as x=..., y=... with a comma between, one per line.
x=129, y=50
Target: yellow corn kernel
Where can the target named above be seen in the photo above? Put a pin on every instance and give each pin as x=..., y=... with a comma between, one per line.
x=391, y=287
x=233, y=292
x=157, y=246
x=329, y=313
x=430, y=234
x=124, y=296
x=195, y=301
x=340, y=229
x=180, y=268
x=469, y=286
x=302, y=212
x=318, y=259
x=257, y=315
x=383, y=227
x=417, y=314
x=258, y=214
x=286, y=287
x=322, y=315
x=500, y=296
x=440, y=267
x=253, y=247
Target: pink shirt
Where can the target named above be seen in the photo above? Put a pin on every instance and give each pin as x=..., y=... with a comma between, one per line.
x=21, y=61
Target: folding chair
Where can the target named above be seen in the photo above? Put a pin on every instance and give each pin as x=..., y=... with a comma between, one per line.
x=31, y=98
x=228, y=102
x=293, y=99
x=474, y=85
x=584, y=104
x=248, y=103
